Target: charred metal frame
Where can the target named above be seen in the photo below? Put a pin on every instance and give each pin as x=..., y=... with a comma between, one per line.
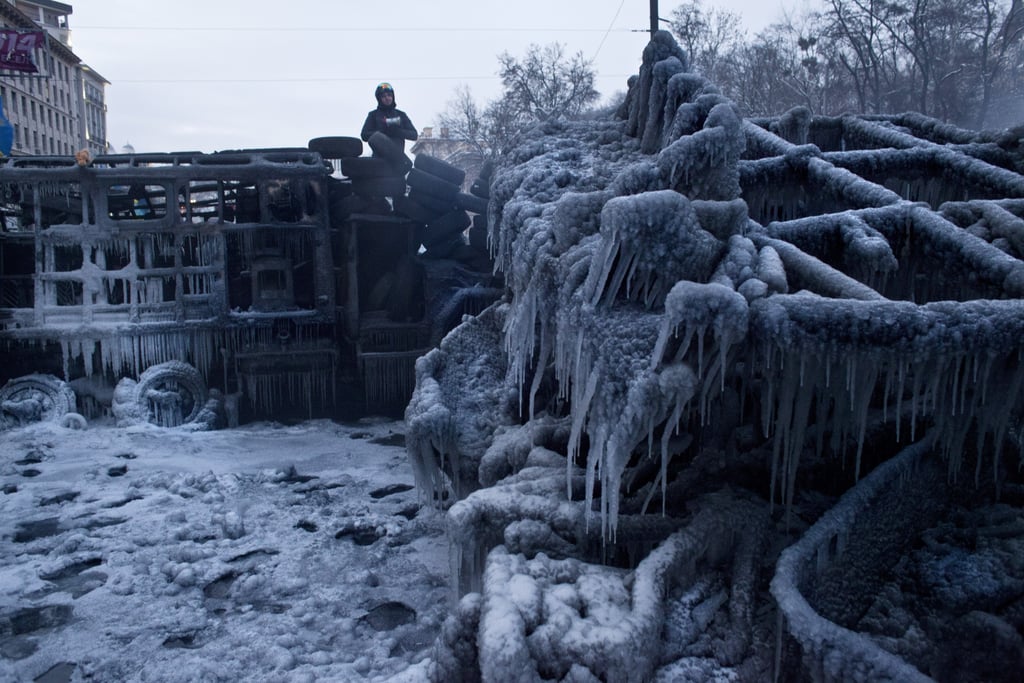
x=165, y=249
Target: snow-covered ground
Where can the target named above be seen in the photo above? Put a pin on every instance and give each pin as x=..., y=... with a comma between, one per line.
x=263, y=553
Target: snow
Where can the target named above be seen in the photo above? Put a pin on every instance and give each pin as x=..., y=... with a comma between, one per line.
x=266, y=552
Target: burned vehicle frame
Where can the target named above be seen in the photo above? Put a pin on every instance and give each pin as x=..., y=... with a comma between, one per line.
x=223, y=270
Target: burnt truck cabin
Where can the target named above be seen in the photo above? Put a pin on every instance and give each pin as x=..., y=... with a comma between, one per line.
x=230, y=263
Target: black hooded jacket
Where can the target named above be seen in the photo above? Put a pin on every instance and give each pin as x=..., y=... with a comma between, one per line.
x=376, y=121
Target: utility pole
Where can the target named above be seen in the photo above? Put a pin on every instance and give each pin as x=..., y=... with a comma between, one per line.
x=654, y=18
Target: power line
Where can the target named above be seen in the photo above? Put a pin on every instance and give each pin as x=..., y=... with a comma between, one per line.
x=344, y=79
x=605, y=37
x=366, y=29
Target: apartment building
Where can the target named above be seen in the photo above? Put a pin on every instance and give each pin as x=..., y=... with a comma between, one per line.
x=62, y=109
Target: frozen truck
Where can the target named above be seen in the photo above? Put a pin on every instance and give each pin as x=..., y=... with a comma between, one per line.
x=187, y=287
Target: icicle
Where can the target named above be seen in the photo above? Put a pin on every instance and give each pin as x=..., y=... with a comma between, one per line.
x=626, y=264
x=579, y=414
x=542, y=361
x=594, y=461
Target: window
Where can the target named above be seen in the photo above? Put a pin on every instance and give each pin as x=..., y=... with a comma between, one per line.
x=137, y=202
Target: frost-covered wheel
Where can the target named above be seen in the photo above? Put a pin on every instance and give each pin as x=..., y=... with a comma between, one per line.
x=336, y=147
x=170, y=394
x=35, y=398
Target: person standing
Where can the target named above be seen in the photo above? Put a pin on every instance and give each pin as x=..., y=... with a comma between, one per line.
x=388, y=119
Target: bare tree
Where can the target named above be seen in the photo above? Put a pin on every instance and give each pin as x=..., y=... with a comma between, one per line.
x=464, y=120
x=998, y=52
x=546, y=84
x=543, y=84
x=708, y=36
x=939, y=57
x=863, y=48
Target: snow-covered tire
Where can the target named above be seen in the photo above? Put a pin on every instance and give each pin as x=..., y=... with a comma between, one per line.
x=170, y=394
x=336, y=147
x=441, y=169
x=35, y=398
x=73, y=421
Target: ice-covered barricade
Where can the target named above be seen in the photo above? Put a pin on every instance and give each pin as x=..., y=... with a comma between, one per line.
x=714, y=328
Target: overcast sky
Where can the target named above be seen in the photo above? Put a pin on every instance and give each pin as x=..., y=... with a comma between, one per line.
x=229, y=74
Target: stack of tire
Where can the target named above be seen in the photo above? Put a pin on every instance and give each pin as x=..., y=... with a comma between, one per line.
x=368, y=180
x=436, y=202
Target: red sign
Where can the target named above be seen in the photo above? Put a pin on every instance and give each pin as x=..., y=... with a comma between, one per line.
x=17, y=49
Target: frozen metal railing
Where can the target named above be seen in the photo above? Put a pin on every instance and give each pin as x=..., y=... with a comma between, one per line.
x=831, y=652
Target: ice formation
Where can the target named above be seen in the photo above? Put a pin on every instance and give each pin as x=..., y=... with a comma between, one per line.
x=714, y=325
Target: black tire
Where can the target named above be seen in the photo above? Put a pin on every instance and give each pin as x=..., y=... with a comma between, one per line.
x=446, y=227
x=337, y=147
x=338, y=189
x=413, y=210
x=391, y=186
x=480, y=188
x=432, y=185
x=472, y=258
x=377, y=206
x=342, y=209
x=35, y=398
x=366, y=167
x=471, y=203
x=444, y=249
x=402, y=166
x=419, y=231
x=441, y=169
x=438, y=206
x=389, y=150
x=170, y=394
x=478, y=237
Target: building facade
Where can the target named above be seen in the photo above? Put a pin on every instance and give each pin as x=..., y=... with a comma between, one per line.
x=61, y=109
x=453, y=150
